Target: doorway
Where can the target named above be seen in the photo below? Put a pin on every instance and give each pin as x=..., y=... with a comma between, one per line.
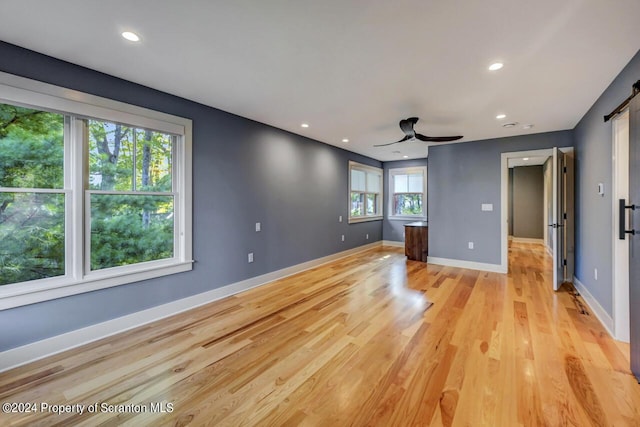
x=561, y=223
x=529, y=198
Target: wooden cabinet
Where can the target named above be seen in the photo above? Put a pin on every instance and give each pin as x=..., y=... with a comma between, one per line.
x=416, y=241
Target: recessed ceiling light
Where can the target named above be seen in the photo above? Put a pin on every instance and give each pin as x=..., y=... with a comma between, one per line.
x=345, y=140
x=501, y=116
x=132, y=37
x=304, y=125
x=525, y=158
x=509, y=125
x=405, y=157
x=527, y=126
x=496, y=66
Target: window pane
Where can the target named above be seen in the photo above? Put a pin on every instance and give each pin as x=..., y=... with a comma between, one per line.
x=31, y=236
x=372, y=204
x=407, y=204
x=415, y=183
x=357, y=204
x=110, y=156
x=153, y=160
x=127, y=229
x=400, y=184
x=373, y=182
x=118, y=153
x=357, y=180
x=31, y=148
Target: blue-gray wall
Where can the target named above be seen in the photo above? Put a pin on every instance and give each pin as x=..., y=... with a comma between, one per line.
x=243, y=172
x=594, y=226
x=461, y=178
x=392, y=230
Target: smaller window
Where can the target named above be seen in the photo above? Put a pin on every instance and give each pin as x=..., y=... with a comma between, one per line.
x=408, y=193
x=365, y=192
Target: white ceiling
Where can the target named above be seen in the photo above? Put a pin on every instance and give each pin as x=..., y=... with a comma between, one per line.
x=352, y=69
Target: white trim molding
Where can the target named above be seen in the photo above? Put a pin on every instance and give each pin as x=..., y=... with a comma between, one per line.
x=504, y=198
x=594, y=305
x=367, y=170
x=393, y=243
x=391, y=177
x=28, y=353
x=471, y=265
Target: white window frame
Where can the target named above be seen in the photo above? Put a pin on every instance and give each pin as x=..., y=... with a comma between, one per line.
x=78, y=279
x=391, y=179
x=366, y=217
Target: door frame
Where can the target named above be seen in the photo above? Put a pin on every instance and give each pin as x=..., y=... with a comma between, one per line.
x=620, y=253
x=504, y=196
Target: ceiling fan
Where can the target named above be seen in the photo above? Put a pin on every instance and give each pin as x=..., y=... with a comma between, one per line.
x=407, y=127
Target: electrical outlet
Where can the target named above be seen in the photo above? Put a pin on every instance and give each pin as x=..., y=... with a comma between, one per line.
x=595, y=273
x=258, y=226
x=343, y=237
x=367, y=237
x=340, y=218
x=250, y=257
x=470, y=245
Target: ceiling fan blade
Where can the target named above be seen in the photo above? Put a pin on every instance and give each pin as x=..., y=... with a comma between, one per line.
x=437, y=138
x=391, y=143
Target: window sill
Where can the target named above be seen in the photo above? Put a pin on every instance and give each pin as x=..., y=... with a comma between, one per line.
x=31, y=292
x=364, y=219
x=407, y=218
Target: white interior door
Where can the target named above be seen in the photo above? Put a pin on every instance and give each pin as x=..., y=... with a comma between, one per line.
x=555, y=209
x=562, y=201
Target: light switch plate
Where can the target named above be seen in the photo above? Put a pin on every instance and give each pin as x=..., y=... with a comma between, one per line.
x=258, y=226
x=487, y=207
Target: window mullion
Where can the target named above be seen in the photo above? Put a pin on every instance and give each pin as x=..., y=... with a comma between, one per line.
x=134, y=157
x=77, y=175
x=176, y=186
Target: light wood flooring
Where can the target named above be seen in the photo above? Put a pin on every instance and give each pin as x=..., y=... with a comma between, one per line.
x=372, y=339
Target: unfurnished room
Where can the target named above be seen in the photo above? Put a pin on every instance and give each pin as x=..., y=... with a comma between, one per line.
x=320, y=213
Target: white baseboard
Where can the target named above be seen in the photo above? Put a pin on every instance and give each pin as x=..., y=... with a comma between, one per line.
x=393, y=243
x=22, y=355
x=527, y=240
x=594, y=305
x=496, y=268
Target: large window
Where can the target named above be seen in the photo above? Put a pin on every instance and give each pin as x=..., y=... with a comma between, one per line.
x=365, y=192
x=32, y=199
x=93, y=193
x=407, y=193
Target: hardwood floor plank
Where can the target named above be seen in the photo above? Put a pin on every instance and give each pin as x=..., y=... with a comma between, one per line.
x=368, y=340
